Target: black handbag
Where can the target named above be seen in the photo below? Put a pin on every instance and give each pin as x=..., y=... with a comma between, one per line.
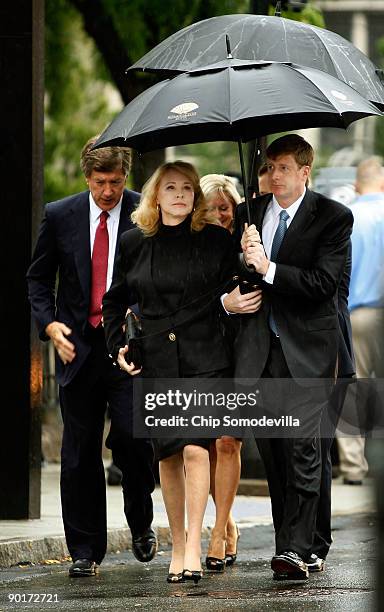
x=132, y=339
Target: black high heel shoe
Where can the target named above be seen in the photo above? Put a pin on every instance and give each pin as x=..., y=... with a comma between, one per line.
x=231, y=558
x=175, y=578
x=194, y=575
x=214, y=564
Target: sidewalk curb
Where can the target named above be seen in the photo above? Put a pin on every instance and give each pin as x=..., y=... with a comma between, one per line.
x=253, y=487
x=54, y=548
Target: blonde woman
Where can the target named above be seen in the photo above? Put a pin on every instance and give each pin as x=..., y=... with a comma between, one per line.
x=173, y=258
x=222, y=198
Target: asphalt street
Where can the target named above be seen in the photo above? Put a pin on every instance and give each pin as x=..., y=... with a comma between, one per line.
x=348, y=583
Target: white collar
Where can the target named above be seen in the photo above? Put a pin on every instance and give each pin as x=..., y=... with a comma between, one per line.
x=95, y=211
x=291, y=210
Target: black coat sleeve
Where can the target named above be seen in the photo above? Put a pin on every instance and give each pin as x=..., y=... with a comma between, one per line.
x=118, y=298
x=41, y=275
x=321, y=280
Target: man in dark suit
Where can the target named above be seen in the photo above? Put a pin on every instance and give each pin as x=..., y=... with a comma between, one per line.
x=78, y=239
x=295, y=333
x=345, y=375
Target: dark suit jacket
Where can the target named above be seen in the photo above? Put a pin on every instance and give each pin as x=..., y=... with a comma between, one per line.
x=303, y=296
x=63, y=246
x=199, y=346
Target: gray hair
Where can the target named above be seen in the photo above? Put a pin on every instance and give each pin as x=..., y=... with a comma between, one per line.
x=105, y=159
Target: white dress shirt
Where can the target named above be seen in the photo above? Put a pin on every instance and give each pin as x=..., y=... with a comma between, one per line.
x=270, y=223
x=112, y=226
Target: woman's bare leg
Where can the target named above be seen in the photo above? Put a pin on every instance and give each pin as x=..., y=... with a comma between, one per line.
x=223, y=489
x=172, y=480
x=196, y=463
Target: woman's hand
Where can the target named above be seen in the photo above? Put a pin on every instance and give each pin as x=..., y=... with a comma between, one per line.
x=130, y=368
x=246, y=303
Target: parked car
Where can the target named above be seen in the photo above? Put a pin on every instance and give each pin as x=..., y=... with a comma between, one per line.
x=337, y=183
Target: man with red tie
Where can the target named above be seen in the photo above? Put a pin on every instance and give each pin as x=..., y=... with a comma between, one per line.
x=78, y=239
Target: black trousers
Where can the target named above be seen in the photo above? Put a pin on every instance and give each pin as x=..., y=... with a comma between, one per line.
x=292, y=465
x=84, y=401
x=323, y=537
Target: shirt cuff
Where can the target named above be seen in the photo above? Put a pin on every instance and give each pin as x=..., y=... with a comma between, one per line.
x=222, y=297
x=270, y=275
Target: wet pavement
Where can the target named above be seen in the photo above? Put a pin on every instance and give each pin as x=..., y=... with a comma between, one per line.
x=348, y=584
x=39, y=539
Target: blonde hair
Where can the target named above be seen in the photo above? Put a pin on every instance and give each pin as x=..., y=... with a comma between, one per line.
x=221, y=184
x=147, y=214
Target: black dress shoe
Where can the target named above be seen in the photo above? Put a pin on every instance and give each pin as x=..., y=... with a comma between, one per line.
x=144, y=545
x=286, y=576
x=349, y=481
x=114, y=475
x=83, y=567
x=289, y=566
x=315, y=564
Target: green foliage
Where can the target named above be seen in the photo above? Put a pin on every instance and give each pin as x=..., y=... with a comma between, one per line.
x=78, y=82
x=76, y=98
x=211, y=157
x=309, y=14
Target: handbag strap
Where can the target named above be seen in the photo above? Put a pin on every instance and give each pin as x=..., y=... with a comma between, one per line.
x=218, y=291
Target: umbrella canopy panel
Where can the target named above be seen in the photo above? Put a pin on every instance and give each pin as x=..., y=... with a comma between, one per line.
x=261, y=37
x=236, y=103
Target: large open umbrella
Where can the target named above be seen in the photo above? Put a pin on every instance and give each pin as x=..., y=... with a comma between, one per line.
x=260, y=37
x=234, y=103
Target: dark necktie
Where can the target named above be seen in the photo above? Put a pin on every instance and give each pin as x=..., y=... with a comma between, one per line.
x=99, y=270
x=276, y=244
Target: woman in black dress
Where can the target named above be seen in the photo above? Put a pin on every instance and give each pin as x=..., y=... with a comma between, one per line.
x=222, y=198
x=175, y=261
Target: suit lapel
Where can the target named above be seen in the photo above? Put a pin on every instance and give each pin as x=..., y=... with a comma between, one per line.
x=302, y=219
x=81, y=241
x=81, y=235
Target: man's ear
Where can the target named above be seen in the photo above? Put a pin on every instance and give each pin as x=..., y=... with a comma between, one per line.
x=306, y=172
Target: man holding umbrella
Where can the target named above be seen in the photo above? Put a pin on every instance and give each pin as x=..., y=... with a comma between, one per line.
x=295, y=333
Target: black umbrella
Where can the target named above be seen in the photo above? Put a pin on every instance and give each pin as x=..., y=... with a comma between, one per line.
x=259, y=37
x=235, y=103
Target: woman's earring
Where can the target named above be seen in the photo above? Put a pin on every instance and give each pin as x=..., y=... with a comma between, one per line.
x=157, y=206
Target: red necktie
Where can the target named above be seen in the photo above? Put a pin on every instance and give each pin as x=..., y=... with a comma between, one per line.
x=99, y=270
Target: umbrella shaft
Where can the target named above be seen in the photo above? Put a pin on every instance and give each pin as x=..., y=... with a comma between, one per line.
x=244, y=179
